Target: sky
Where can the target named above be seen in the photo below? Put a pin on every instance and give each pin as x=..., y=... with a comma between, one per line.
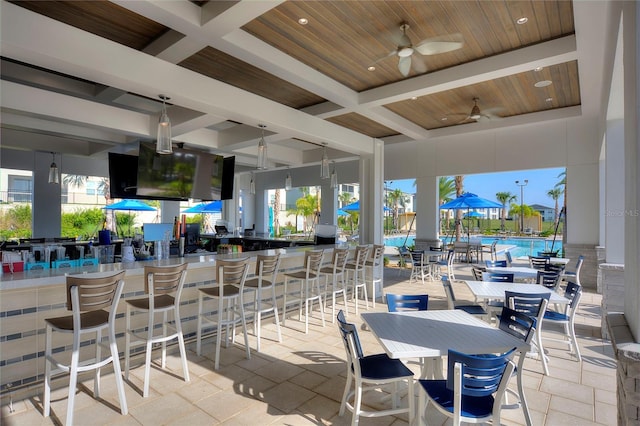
x=487, y=185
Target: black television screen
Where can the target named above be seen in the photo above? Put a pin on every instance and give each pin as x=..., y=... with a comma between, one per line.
x=191, y=237
x=228, y=172
x=163, y=176
x=208, y=177
x=123, y=176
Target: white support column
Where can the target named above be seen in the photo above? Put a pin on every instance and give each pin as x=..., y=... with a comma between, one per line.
x=169, y=210
x=428, y=217
x=614, y=216
x=328, y=204
x=372, y=195
x=46, y=209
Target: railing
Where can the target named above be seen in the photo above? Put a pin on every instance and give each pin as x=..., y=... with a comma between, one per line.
x=14, y=196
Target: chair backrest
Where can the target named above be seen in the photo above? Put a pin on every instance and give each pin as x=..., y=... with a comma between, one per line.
x=164, y=279
x=231, y=272
x=417, y=258
x=94, y=293
x=351, y=341
x=517, y=324
x=494, y=253
x=407, y=302
x=548, y=279
x=495, y=263
x=339, y=259
x=538, y=262
x=377, y=252
x=434, y=248
x=267, y=267
x=509, y=259
x=313, y=262
x=532, y=304
x=478, y=376
x=448, y=291
x=553, y=267
x=573, y=292
x=579, y=263
x=477, y=272
x=497, y=277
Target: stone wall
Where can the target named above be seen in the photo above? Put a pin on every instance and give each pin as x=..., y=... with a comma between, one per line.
x=611, y=285
x=627, y=353
x=589, y=271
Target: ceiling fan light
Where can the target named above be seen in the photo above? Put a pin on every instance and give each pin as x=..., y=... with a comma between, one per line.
x=163, y=140
x=405, y=52
x=54, y=172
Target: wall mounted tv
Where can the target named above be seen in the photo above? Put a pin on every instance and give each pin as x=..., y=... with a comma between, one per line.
x=181, y=175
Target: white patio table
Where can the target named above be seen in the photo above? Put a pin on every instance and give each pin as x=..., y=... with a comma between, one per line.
x=424, y=334
x=552, y=260
x=522, y=273
x=483, y=290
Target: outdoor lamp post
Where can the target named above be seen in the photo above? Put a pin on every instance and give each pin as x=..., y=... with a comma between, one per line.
x=522, y=185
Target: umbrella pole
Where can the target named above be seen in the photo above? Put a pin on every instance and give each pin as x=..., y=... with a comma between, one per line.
x=409, y=230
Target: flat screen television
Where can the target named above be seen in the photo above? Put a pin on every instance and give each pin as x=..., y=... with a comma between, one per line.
x=228, y=172
x=191, y=237
x=123, y=176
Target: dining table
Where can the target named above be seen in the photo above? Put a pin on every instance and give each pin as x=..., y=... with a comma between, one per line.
x=489, y=290
x=521, y=273
x=427, y=334
x=552, y=260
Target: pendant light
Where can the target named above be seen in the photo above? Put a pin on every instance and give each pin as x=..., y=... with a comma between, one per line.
x=252, y=186
x=163, y=142
x=262, y=150
x=324, y=165
x=54, y=173
x=334, y=178
x=287, y=181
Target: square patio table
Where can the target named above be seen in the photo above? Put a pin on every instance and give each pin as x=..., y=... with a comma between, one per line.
x=483, y=290
x=522, y=273
x=425, y=334
x=552, y=260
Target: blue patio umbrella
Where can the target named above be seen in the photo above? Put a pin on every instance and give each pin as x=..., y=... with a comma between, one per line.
x=130, y=205
x=212, y=207
x=475, y=215
x=342, y=213
x=355, y=206
x=470, y=201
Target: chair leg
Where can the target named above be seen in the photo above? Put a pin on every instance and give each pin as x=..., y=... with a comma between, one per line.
x=115, y=359
x=183, y=349
x=244, y=326
x=73, y=377
x=284, y=302
x=543, y=357
x=275, y=312
x=357, y=403
x=345, y=394
x=199, y=326
x=47, y=372
x=573, y=341
x=216, y=365
x=164, y=342
x=96, y=375
x=147, y=360
x=127, y=342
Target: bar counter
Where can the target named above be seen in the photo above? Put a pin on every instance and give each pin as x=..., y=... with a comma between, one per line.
x=27, y=298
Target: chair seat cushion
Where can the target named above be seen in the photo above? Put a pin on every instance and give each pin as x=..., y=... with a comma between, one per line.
x=472, y=407
x=299, y=275
x=555, y=316
x=253, y=283
x=381, y=367
x=229, y=291
x=87, y=320
x=159, y=302
x=472, y=309
x=328, y=270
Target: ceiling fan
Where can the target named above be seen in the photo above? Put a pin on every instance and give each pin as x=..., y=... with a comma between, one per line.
x=476, y=114
x=430, y=46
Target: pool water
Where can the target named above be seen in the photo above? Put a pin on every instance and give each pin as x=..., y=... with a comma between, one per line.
x=524, y=246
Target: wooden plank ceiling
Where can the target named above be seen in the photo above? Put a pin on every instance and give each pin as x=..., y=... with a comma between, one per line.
x=342, y=39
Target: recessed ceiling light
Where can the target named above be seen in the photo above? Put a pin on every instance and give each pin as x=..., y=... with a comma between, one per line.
x=549, y=100
x=444, y=119
x=413, y=98
x=371, y=68
x=538, y=69
x=522, y=20
x=303, y=21
x=543, y=83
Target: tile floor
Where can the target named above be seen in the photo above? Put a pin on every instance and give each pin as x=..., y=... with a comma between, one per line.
x=300, y=381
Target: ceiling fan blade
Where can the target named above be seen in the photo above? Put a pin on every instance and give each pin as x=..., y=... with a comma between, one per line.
x=440, y=44
x=404, y=65
x=418, y=65
x=392, y=53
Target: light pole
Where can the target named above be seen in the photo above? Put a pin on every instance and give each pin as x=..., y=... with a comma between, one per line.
x=522, y=185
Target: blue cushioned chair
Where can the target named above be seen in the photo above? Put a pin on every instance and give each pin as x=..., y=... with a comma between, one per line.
x=495, y=263
x=573, y=292
x=473, y=390
x=371, y=371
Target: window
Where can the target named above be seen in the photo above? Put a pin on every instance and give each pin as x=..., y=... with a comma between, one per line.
x=20, y=189
x=90, y=187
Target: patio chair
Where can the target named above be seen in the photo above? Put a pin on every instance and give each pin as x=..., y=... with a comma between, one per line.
x=538, y=262
x=473, y=390
x=575, y=274
x=373, y=270
x=358, y=275
x=477, y=272
x=534, y=305
x=447, y=264
x=548, y=279
x=419, y=268
x=309, y=289
x=371, y=372
x=508, y=258
x=452, y=303
x=495, y=263
x=573, y=292
x=405, y=259
x=498, y=277
x=338, y=281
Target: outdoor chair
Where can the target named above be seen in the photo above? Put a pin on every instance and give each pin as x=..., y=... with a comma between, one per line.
x=473, y=390
x=373, y=270
x=163, y=286
x=447, y=264
x=338, y=281
x=548, y=279
x=534, y=305
x=229, y=309
x=573, y=292
x=495, y=263
x=498, y=277
x=575, y=274
x=419, y=268
x=404, y=259
x=264, y=298
x=537, y=262
x=452, y=303
x=358, y=278
x=87, y=298
x=477, y=272
x=371, y=372
x=508, y=258
x=309, y=290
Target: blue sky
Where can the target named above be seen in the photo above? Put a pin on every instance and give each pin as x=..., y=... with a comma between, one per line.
x=486, y=185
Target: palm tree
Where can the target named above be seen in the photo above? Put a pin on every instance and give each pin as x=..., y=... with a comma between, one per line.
x=276, y=213
x=525, y=210
x=103, y=188
x=446, y=190
x=562, y=183
x=306, y=207
x=504, y=198
x=459, y=184
x=345, y=198
x=397, y=199
x=554, y=194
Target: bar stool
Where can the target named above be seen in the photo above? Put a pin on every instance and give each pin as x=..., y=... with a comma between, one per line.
x=309, y=291
x=336, y=272
x=231, y=277
x=87, y=298
x=163, y=285
x=265, y=279
x=374, y=272
x=358, y=274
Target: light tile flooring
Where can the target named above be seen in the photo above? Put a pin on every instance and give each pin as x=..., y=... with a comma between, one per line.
x=300, y=381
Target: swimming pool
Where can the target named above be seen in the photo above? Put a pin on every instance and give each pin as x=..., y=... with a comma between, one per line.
x=524, y=246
